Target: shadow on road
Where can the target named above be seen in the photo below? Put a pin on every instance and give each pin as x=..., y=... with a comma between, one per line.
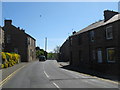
x=92, y=72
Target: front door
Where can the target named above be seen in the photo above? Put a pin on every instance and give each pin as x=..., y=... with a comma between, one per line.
x=99, y=55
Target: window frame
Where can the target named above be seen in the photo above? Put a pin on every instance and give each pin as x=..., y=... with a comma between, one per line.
x=108, y=38
x=98, y=61
x=109, y=61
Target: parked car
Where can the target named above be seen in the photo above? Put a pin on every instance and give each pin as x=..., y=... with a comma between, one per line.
x=42, y=58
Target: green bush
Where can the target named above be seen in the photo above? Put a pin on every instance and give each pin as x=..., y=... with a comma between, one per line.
x=9, y=59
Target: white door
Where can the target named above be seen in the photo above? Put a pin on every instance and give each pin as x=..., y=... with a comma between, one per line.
x=99, y=56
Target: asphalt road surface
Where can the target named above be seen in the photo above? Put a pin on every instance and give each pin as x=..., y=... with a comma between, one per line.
x=48, y=74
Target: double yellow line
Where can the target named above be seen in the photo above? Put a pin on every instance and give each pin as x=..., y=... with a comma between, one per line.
x=9, y=77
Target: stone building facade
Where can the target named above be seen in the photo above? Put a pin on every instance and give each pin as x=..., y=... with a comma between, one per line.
x=16, y=40
x=1, y=42
x=64, y=51
x=98, y=45
x=1, y=39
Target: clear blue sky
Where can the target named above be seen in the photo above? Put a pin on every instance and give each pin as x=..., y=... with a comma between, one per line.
x=57, y=18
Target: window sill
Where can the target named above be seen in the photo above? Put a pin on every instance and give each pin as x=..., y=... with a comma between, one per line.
x=111, y=61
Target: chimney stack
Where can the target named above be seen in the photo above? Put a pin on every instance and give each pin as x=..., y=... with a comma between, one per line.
x=7, y=22
x=109, y=14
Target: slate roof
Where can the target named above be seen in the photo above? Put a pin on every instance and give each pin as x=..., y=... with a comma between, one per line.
x=98, y=24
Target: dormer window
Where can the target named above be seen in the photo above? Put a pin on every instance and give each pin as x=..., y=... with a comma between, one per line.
x=109, y=33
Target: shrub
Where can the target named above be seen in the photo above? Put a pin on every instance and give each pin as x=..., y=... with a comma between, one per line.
x=6, y=65
x=2, y=66
x=9, y=59
x=3, y=57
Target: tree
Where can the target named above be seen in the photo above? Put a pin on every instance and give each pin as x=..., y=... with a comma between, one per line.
x=37, y=48
x=39, y=52
x=56, y=49
x=50, y=55
x=56, y=52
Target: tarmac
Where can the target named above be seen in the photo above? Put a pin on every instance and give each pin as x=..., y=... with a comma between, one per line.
x=65, y=65
x=7, y=71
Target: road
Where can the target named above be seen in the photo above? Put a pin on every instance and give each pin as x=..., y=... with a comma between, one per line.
x=48, y=74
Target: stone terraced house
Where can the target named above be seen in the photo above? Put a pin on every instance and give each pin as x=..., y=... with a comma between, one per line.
x=16, y=40
x=97, y=46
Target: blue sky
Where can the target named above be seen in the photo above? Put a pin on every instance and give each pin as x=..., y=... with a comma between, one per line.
x=54, y=20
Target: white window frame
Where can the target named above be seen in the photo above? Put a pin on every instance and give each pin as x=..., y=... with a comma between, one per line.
x=107, y=55
x=107, y=32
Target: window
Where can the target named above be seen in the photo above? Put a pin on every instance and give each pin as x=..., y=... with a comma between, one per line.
x=34, y=43
x=28, y=40
x=8, y=38
x=109, y=34
x=92, y=36
x=110, y=54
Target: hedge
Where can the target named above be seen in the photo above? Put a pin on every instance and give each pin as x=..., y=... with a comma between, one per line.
x=9, y=59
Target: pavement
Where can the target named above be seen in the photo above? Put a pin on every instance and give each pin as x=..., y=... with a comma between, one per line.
x=49, y=74
x=66, y=65
x=63, y=63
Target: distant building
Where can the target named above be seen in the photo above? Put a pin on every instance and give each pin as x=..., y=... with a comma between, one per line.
x=1, y=39
x=16, y=40
x=64, y=51
x=1, y=42
x=98, y=45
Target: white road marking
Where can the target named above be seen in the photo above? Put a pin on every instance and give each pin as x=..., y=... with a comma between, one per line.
x=46, y=74
x=56, y=85
x=10, y=76
x=48, y=77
